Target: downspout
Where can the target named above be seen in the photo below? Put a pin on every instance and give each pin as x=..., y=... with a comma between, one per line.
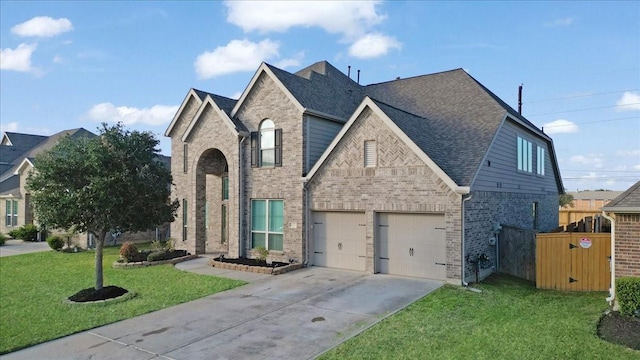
x=305, y=189
x=612, y=289
x=462, y=259
x=240, y=199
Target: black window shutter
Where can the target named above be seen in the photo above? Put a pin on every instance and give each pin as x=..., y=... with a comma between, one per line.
x=255, y=138
x=278, y=147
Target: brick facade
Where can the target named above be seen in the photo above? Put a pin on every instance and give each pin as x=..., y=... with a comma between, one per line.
x=401, y=182
x=627, y=245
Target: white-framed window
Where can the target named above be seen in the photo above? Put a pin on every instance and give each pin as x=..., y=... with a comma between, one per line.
x=540, y=162
x=266, y=145
x=370, y=153
x=11, y=213
x=267, y=223
x=525, y=155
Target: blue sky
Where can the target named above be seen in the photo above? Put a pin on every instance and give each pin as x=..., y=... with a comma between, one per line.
x=77, y=64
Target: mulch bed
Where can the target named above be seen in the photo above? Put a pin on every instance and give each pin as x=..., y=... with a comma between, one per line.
x=252, y=262
x=622, y=330
x=91, y=294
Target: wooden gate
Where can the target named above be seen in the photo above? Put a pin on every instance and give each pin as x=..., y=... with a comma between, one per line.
x=573, y=261
x=517, y=252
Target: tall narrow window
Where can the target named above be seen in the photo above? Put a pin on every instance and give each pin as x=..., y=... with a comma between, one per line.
x=370, y=154
x=185, y=163
x=525, y=158
x=11, y=213
x=184, y=219
x=540, y=160
x=266, y=145
x=536, y=214
x=223, y=226
x=225, y=183
x=267, y=224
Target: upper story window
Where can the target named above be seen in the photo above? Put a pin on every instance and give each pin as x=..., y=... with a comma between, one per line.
x=370, y=153
x=185, y=163
x=540, y=161
x=266, y=145
x=525, y=158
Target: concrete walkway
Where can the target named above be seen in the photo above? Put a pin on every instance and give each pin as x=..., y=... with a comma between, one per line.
x=297, y=315
x=17, y=247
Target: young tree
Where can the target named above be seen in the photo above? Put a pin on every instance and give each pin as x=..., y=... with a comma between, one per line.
x=566, y=200
x=94, y=185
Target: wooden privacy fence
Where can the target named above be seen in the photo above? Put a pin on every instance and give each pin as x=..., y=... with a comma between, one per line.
x=573, y=261
x=517, y=252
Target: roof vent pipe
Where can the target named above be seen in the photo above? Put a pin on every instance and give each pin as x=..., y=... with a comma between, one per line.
x=358, y=76
x=349, y=71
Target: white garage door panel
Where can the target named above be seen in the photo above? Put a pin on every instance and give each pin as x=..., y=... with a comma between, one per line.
x=339, y=240
x=412, y=245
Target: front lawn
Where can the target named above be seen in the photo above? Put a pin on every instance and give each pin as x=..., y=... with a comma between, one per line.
x=510, y=319
x=32, y=287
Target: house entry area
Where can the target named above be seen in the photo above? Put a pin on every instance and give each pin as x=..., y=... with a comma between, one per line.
x=212, y=199
x=411, y=245
x=339, y=240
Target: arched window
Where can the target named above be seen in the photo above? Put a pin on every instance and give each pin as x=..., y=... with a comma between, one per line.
x=266, y=145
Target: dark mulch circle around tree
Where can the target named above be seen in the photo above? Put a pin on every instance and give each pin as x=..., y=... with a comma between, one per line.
x=91, y=294
x=622, y=330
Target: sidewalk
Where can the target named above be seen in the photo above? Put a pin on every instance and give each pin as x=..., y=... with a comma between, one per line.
x=17, y=247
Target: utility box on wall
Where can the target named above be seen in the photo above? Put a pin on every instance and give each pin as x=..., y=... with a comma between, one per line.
x=573, y=261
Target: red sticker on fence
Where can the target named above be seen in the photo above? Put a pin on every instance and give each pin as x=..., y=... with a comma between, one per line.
x=585, y=243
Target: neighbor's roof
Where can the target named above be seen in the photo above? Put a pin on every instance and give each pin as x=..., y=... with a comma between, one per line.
x=628, y=201
x=594, y=195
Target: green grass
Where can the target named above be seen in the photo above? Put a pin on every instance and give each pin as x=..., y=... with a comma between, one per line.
x=510, y=319
x=32, y=287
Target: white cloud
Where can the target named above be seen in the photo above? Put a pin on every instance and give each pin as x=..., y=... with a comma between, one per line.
x=373, y=45
x=636, y=167
x=628, y=102
x=237, y=55
x=559, y=22
x=58, y=59
x=350, y=18
x=294, y=61
x=156, y=115
x=560, y=126
x=18, y=59
x=628, y=153
x=596, y=160
x=10, y=127
x=42, y=26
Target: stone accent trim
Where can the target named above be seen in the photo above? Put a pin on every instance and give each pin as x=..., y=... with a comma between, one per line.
x=140, y=264
x=256, y=269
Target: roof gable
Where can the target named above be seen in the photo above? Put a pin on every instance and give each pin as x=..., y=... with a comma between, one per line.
x=628, y=201
x=192, y=95
x=401, y=123
x=213, y=101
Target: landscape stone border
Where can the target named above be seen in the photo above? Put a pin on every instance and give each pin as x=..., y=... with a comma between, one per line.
x=140, y=264
x=121, y=298
x=256, y=269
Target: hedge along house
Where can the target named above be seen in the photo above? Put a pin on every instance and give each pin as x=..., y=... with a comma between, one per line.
x=409, y=177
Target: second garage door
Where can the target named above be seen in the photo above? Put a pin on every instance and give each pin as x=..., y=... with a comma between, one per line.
x=411, y=245
x=339, y=240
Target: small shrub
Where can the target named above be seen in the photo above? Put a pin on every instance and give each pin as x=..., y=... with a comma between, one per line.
x=262, y=253
x=628, y=292
x=157, y=256
x=129, y=251
x=3, y=239
x=55, y=242
x=158, y=245
x=28, y=232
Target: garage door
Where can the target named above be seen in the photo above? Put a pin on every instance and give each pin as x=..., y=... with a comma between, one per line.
x=339, y=240
x=411, y=245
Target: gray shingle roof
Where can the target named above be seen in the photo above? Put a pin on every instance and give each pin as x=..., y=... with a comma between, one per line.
x=463, y=118
x=323, y=88
x=20, y=144
x=628, y=201
x=224, y=103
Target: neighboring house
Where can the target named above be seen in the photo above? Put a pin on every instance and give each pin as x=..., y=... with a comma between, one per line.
x=17, y=157
x=625, y=233
x=409, y=177
x=17, y=153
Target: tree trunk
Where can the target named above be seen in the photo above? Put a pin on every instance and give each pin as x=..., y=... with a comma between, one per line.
x=99, y=247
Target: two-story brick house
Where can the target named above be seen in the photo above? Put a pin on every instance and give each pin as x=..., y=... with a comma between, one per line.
x=410, y=177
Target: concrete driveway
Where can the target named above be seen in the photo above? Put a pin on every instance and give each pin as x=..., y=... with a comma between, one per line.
x=296, y=315
x=17, y=247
